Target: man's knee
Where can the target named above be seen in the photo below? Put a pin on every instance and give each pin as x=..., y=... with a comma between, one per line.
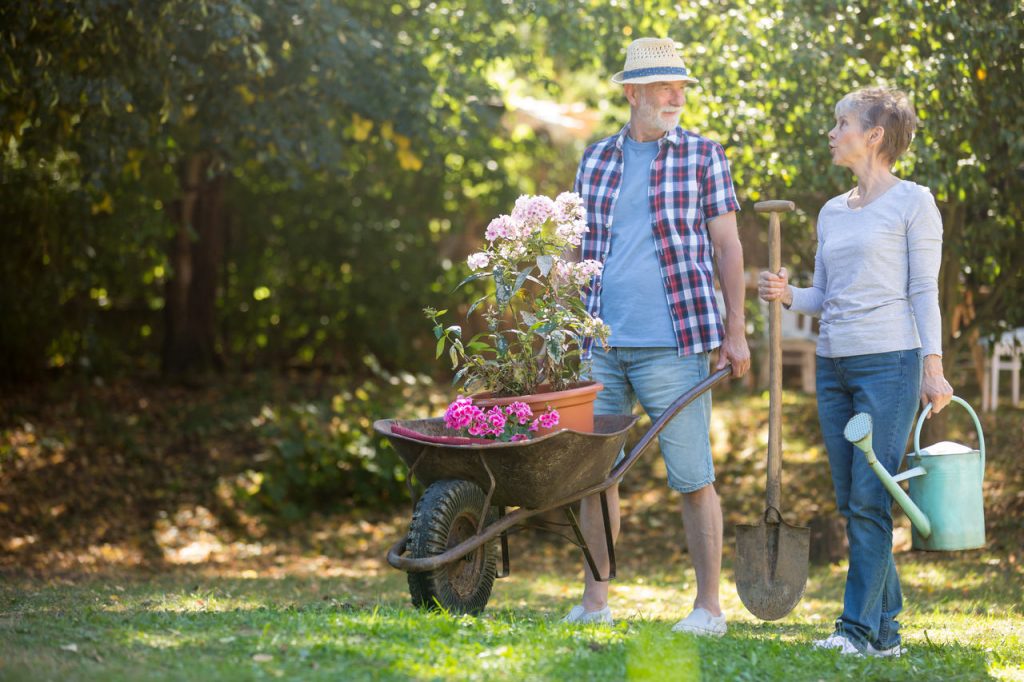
x=700, y=496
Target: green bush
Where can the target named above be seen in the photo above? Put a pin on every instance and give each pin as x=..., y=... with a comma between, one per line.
x=323, y=455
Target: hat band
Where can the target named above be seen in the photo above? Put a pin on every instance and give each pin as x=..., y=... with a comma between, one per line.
x=656, y=71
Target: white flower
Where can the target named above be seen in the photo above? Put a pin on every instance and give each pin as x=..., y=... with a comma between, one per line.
x=569, y=208
x=502, y=227
x=572, y=232
x=529, y=242
x=478, y=261
x=533, y=211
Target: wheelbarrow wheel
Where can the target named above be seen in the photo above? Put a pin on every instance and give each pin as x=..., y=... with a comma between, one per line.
x=447, y=514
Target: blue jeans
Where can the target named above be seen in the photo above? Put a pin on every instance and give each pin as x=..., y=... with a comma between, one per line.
x=887, y=386
x=657, y=376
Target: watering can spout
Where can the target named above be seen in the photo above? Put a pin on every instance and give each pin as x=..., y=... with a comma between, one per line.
x=858, y=432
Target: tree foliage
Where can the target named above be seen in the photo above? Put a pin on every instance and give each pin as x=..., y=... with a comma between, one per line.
x=267, y=182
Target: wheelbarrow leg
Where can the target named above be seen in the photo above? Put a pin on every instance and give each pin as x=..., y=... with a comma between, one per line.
x=501, y=512
x=609, y=542
x=607, y=538
x=504, y=548
x=409, y=477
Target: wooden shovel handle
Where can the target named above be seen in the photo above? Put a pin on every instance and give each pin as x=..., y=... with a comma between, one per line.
x=773, y=492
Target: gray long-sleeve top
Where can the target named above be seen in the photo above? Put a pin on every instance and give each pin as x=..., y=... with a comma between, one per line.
x=876, y=274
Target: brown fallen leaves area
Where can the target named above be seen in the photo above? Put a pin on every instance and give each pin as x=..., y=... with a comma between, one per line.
x=110, y=477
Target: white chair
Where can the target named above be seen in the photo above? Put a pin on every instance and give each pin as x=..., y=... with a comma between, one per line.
x=799, y=341
x=1006, y=356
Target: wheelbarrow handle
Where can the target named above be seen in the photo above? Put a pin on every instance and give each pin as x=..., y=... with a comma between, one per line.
x=666, y=416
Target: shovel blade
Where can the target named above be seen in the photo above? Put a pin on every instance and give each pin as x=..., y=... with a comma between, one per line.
x=771, y=567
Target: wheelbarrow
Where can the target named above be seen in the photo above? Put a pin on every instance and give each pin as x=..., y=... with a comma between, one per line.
x=476, y=495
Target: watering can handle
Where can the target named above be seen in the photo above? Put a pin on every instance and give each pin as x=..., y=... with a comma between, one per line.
x=977, y=426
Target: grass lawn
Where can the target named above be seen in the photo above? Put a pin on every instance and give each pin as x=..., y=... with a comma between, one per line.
x=964, y=621
x=317, y=600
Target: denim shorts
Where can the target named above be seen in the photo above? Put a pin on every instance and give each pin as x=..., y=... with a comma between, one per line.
x=656, y=377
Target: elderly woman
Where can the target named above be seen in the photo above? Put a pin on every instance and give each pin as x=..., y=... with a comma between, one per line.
x=879, y=350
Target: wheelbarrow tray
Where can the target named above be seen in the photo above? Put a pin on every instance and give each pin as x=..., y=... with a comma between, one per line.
x=531, y=474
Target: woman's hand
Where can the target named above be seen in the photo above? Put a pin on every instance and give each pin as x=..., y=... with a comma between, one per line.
x=772, y=287
x=934, y=387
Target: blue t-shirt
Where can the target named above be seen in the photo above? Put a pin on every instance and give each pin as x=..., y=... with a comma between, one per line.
x=633, y=298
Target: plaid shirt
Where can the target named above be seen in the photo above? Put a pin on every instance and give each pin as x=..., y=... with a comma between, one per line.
x=690, y=184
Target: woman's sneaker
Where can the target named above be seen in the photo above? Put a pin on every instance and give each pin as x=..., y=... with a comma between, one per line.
x=580, y=615
x=892, y=652
x=838, y=641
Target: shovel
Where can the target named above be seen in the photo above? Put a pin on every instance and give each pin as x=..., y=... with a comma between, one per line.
x=772, y=555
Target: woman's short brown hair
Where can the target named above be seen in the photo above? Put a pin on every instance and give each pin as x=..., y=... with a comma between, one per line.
x=888, y=108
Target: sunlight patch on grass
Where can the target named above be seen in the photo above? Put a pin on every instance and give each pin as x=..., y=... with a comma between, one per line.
x=656, y=654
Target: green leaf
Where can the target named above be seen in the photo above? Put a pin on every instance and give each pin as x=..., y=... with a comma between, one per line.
x=521, y=279
x=476, y=303
x=472, y=278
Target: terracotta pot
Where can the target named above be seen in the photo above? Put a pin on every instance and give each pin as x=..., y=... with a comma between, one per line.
x=575, y=405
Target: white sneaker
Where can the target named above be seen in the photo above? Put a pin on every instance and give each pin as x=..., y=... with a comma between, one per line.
x=580, y=615
x=892, y=652
x=700, y=622
x=837, y=640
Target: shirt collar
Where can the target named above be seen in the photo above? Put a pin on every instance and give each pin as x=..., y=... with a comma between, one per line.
x=673, y=137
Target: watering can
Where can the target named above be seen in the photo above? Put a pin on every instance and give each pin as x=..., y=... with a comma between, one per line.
x=945, y=501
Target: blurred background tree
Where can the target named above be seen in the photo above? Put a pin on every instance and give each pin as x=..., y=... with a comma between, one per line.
x=195, y=186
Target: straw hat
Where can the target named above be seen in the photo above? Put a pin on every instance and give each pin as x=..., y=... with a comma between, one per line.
x=649, y=60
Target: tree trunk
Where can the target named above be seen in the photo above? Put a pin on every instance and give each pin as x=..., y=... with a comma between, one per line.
x=190, y=338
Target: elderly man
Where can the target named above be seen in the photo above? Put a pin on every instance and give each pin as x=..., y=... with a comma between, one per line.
x=660, y=202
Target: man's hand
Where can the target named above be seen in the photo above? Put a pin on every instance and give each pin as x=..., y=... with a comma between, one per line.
x=734, y=350
x=729, y=256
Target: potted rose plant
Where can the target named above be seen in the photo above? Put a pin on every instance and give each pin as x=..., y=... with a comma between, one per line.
x=536, y=318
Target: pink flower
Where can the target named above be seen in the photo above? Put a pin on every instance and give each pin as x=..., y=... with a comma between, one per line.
x=521, y=411
x=520, y=436
x=460, y=413
x=548, y=420
x=496, y=419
